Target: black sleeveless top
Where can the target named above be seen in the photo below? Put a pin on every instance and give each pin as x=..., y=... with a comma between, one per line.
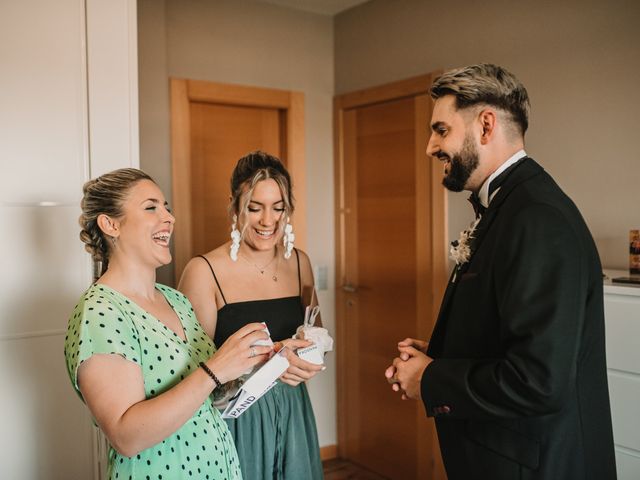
x=282, y=315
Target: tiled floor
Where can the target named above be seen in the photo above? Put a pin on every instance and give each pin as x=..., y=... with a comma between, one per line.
x=338, y=469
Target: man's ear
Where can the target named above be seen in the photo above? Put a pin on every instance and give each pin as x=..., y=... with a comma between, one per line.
x=108, y=225
x=488, y=121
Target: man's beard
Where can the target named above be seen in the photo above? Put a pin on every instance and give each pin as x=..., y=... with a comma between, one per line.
x=462, y=165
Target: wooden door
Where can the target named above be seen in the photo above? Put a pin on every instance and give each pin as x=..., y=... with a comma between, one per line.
x=213, y=125
x=220, y=135
x=391, y=272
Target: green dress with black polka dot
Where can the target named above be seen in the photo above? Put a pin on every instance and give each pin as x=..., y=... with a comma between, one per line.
x=106, y=322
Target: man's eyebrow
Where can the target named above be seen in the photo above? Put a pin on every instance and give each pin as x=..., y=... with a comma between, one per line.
x=437, y=125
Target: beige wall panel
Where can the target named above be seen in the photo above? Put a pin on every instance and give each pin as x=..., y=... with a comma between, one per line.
x=113, y=84
x=42, y=101
x=49, y=269
x=46, y=432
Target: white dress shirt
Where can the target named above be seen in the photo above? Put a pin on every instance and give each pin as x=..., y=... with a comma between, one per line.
x=483, y=194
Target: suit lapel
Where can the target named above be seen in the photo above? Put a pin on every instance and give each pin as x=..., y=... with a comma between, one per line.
x=524, y=170
x=435, y=343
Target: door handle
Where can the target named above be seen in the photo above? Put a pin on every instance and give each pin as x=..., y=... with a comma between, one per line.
x=349, y=288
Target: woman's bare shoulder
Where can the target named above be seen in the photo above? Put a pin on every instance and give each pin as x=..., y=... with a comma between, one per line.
x=305, y=261
x=219, y=257
x=304, y=258
x=198, y=269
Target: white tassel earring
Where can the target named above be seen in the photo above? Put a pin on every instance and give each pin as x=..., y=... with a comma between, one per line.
x=288, y=239
x=235, y=240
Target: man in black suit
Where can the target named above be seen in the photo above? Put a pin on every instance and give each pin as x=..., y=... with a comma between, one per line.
x=515, y=371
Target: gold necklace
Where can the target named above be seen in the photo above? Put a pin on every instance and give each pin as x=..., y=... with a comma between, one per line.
x=261, y=270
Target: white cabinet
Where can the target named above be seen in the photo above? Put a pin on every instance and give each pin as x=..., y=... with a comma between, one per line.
x=43, y=118
x=622, y=317
x=68, y=111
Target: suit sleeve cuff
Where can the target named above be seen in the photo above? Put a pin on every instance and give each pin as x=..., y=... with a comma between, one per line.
x=434, y=405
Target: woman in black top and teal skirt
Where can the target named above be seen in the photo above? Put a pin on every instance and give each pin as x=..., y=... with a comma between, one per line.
x=260, y=277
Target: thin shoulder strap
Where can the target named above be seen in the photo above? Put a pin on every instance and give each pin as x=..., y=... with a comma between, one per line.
x=214, y=277
x=299, y=277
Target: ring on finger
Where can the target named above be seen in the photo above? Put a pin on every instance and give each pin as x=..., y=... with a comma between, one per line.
x=252, y=352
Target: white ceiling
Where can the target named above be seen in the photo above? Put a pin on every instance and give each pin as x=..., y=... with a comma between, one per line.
x=323, y=7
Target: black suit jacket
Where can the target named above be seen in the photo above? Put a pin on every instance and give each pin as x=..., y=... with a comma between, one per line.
x=518, y=384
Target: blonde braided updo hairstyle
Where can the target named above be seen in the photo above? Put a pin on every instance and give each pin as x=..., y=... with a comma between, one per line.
x=104, y=195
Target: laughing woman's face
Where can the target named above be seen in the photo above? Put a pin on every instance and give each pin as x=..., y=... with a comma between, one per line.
x=263, y=216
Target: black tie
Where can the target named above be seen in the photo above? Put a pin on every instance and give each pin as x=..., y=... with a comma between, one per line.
x=496, y=183
x=478, y=208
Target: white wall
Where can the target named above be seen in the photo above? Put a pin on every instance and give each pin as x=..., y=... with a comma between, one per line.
x=579, y=59
x=48, y=149
x=256, y=44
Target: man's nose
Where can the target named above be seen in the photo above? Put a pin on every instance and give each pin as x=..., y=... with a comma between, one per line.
x=432, y=147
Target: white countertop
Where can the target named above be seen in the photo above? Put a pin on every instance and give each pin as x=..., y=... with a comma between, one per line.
x=619, y=288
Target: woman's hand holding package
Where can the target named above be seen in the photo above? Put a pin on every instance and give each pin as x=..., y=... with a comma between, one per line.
x=299, y=370
x=239, y=354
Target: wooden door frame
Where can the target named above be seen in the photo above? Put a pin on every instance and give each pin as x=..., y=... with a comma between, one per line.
x=184, y=91
x=431, y=216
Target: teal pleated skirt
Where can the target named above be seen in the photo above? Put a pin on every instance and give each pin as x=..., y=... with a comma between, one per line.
x=276, y=438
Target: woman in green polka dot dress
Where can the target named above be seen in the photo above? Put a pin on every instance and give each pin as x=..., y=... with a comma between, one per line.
x=135, y=352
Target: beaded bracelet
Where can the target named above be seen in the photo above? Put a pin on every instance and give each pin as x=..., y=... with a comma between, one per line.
x=211, y=374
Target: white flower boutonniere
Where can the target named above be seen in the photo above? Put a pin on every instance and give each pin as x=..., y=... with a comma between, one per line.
x=460, y=251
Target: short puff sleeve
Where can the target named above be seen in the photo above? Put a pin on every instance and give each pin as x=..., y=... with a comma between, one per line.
x=99, y=324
